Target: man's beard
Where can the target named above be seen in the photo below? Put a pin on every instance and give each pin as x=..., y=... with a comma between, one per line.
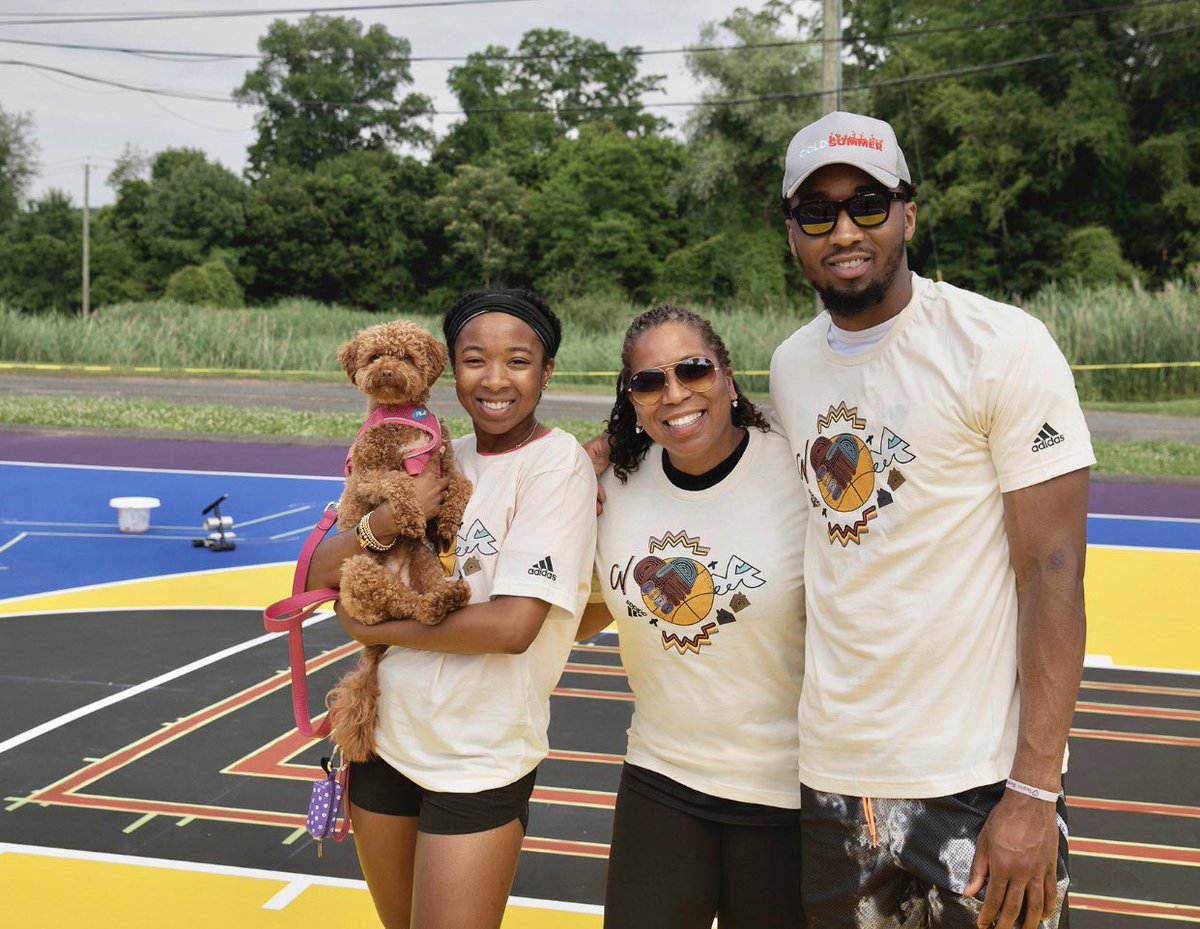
x=856, y=303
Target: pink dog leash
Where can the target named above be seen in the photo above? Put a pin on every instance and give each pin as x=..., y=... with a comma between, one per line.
x=288, y=615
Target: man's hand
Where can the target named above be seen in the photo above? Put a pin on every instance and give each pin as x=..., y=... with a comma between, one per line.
x=597, y=449
x=1017, y=853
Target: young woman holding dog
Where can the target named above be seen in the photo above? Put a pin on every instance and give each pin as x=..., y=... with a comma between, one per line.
x=700, y=559
x=440, y=813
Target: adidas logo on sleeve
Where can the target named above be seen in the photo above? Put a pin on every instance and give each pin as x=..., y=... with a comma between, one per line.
x=544, y=568
x=1046, y=437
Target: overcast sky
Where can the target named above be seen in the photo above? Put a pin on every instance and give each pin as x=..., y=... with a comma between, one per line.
x=77, y=121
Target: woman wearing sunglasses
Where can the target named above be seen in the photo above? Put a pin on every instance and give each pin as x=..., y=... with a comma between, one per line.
x=440, y=813
x=699, y=558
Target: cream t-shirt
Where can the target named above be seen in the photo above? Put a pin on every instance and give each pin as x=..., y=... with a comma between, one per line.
x=906, y=448
x=707, y=590
x=465, y=723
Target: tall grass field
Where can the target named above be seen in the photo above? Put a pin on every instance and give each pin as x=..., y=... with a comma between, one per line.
x=1109, y=325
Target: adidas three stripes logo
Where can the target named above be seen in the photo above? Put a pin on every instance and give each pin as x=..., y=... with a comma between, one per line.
x=544, y=568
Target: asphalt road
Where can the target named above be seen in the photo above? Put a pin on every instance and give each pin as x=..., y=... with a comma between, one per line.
x=344, y=397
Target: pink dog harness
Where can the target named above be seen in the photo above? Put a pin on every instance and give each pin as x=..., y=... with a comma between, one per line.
x=408, y=415
x=288, y=615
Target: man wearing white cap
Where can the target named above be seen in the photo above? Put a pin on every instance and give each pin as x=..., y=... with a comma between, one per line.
x=947, y=459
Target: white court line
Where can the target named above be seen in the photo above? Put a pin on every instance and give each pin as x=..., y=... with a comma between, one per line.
x=30, y=522
x=117, y=535
x=286, y=896
x=279, y=537
x=136, y=689
x=1144, y=519
x=1141, y=548
x=291, y=477
x=13, y=541
x=263, y=519
x=303, y=881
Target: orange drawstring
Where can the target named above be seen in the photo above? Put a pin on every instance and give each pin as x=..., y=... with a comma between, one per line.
x=869, y=813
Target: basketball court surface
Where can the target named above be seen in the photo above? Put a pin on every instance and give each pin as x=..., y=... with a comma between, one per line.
x=151, y=774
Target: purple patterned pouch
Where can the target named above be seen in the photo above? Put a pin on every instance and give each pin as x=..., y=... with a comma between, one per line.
x=324, y=806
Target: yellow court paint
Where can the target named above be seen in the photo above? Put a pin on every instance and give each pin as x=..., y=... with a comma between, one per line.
x=252, y=587
x=1142, y=611
x=43, y=890
x=1142, y=607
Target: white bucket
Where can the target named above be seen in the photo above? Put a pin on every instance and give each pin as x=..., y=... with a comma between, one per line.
x=133, y=513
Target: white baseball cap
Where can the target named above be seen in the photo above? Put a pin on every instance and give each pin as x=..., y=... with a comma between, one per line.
x=845, y=139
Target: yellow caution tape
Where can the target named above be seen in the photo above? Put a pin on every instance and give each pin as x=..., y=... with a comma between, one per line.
x=148, y=369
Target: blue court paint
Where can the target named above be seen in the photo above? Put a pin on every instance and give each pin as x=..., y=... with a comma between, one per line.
x=57, y=530
x=1130, y=531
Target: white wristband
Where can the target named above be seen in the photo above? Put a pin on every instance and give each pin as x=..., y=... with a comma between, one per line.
x=1028, y=791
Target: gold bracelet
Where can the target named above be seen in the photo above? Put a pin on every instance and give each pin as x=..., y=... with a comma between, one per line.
x=366, y=538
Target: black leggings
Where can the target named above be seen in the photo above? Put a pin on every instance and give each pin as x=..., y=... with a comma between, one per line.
x=672, y=870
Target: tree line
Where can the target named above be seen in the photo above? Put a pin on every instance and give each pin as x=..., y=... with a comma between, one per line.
x=1046, y=141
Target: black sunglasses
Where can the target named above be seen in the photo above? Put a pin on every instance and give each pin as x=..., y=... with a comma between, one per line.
x=698, y=374
x=868, y=209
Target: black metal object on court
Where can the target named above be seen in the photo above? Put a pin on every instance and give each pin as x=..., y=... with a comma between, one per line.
x=219, y=528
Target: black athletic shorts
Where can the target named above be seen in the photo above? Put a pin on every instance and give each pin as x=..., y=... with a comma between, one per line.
x=680, y=857
x=913, y=871
x=379, y=788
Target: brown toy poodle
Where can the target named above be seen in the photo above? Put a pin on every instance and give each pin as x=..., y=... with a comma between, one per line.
x=394, y=364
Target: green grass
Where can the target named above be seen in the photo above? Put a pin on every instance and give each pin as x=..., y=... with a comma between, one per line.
x=1150, y=458
x=156, y=416
x=1167, y=459
x=1104, y=325
x=1184, y=406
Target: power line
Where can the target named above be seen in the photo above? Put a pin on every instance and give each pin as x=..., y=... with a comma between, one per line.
x=157, y=53
x=56, y=19
x=183, y=54
x=618, y=107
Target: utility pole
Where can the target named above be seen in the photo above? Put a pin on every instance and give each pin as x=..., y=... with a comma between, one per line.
x=84, y=303
x=831, y=75
x=831, y=57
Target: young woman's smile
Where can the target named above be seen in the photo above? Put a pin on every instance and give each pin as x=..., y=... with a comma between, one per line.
x=500, y=369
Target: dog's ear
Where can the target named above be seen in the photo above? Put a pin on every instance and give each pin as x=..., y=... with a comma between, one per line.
x=435, y=359
x=348, y=359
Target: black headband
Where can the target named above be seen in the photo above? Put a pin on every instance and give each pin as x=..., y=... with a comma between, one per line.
x=511, y=304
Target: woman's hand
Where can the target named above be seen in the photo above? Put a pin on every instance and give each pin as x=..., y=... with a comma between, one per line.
x=431, y=489
x=599, y=451
x=360, y=632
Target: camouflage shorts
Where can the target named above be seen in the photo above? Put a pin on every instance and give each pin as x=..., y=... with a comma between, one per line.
x=914, y=872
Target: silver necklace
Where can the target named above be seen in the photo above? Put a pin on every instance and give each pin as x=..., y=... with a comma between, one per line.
x=527, y=437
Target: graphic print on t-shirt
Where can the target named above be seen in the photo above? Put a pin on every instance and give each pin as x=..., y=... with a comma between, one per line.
x=855, y=471
x=473, y=541
x=679, y=584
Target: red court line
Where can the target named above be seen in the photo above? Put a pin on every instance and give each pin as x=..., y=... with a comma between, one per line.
x=563, y=796
x=599, y=649
x=177, y=730
x=1110, y=735
x=1133, y=806
x=586, y=757
x=565, y=847
x=579, y=668
x=1141, y=689
x=1145, y=712
x=1135, y=851
x=593, y=694
x=1123, y=907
